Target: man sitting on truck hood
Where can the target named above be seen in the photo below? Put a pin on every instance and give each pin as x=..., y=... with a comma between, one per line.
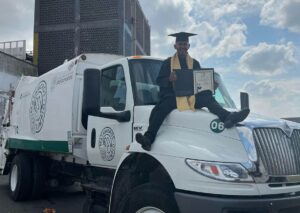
x=168, y=100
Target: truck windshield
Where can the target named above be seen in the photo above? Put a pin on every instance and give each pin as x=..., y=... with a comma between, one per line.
x=144, y=73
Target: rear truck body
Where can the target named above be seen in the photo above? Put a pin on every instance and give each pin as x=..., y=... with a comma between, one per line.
x=78, y=123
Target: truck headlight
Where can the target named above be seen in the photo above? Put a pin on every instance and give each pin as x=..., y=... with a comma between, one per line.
x=220, y=171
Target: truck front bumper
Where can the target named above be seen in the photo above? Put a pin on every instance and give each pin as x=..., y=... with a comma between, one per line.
x=191, y=203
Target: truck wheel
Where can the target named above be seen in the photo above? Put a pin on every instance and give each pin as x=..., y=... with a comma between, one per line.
x=20, y=178
x=39, y=178
x=148, y=198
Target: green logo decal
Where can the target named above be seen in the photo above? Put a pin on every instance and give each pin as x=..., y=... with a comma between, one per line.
x=217, y=126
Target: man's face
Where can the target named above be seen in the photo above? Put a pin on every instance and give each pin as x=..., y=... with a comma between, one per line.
x=182, y=47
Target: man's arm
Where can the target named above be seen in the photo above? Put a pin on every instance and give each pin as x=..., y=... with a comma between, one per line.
x=196, y=65
x=164, y=74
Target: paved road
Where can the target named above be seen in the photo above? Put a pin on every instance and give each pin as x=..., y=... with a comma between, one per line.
x=68, y=200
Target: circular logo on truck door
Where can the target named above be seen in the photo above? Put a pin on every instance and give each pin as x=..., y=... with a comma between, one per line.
x=217, y=126
x=107, y=144
x=38, y=107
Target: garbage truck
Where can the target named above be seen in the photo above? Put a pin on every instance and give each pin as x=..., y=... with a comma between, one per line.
x=77, y=123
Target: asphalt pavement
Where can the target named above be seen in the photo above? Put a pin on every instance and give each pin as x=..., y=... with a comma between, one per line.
x=63, y=200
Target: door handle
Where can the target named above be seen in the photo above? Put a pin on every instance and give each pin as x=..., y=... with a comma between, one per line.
x=93, y=138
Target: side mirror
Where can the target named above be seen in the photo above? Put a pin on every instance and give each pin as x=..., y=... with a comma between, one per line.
x=244, y=100
x=91, y=95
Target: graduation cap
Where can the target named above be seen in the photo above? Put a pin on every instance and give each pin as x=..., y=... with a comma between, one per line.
x=182, y=36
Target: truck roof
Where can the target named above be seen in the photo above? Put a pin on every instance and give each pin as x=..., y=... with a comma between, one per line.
x=99, y=59
x=103, y=58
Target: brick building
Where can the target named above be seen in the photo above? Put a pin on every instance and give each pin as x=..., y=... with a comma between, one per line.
x=66, y=28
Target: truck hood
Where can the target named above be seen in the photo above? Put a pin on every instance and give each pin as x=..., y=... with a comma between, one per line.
x=198, y=120
x=191, y=135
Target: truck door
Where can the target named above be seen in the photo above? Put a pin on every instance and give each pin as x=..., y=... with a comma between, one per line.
x=107, y=137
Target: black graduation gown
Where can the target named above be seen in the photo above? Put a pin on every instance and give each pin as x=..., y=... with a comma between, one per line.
x=167, y=101
x=166, y=86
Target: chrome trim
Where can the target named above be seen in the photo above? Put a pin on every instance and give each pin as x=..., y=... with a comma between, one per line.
x=262, y=175
x=287, y=130
x=285, y=144
x=293, y=179
x=286, y=126
x=246, y=136
x=279, y=153
x=284, y=179
x=250, y=166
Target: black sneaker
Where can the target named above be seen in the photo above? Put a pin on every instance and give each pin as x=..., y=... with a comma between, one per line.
x=235, y=117
x=144, y=141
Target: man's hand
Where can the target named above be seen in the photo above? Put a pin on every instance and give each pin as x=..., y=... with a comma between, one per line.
x=216, y=84
x=173, y=77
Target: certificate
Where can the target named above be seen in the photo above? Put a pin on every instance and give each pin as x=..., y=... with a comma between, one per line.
x=190, y=82
x=204, y=80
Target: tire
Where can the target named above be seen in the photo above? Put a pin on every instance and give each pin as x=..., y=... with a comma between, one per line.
x=38, y=177
x=148, y=197
x=20, y=178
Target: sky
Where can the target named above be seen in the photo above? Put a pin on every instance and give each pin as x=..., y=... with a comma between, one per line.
x=253, y=44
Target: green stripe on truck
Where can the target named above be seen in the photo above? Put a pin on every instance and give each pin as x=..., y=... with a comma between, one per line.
x=38, y=145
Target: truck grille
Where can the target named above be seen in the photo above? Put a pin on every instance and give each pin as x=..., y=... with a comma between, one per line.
x=279, y=153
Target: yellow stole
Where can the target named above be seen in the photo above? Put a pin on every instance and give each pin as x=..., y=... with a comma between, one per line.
x=186, y=102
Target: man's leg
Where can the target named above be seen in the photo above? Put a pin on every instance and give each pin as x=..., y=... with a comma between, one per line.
x=205, y=99
x=158, y=115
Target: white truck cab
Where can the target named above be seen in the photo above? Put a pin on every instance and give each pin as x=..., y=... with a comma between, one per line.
x=78, y=123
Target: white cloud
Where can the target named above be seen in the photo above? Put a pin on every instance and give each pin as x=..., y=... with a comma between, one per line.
x=268, y=59
x=277, y=99
x=282, y=14
x=234, y=40
x=262, y=88
x=16, y=21
x=225, y=10
x=215, y=38
x=206, y=31
x=219, y=9
x=166, y=17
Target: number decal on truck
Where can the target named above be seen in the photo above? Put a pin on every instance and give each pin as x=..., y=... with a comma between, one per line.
x=107, y=144
x=217, y=126
x=37, y=110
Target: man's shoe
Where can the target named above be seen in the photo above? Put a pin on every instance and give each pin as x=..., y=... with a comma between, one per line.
x=144, y=141
x=235, y=117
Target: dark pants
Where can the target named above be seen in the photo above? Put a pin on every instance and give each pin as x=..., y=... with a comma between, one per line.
x=168, y=103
